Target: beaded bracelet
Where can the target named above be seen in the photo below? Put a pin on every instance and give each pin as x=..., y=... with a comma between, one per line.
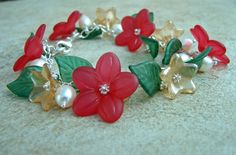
x=103, y=89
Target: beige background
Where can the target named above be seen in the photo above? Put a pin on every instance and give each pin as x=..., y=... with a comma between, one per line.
x=203, y=123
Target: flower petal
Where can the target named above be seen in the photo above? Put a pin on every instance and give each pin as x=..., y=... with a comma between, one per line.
x=123, y=38
x=20, y=63
x=128, y=24
x=74, y=16
x=64, y=29
x=147, y=29
x=33, y=46
x=85, y=78
x=124, y=85
x=108, y=66
x=110, y=108
x=86, y=103
x=217, y=48
x=40, y=31
x=172, y=91
x=201, y=36
x=134, y=44
x=223, y=58
x=142, y=18
x=188, y=87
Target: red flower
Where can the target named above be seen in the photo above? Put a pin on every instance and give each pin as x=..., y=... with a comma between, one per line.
x=64, y=29
x=133, y=28
x=103, y=89
x=33, y=49
x=218, y=49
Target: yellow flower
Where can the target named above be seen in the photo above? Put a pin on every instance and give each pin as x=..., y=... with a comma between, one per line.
x=106, y=17
x=44, y=89
x=177, y=77
x=167, y=32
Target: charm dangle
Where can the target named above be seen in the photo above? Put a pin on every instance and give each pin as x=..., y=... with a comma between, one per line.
x=178, y=77
x=44, y=89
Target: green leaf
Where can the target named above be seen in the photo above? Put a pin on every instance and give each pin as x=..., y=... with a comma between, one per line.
x=67, y=64
x=198, y=60
x=93, y=33
x=151, y=16
x=31, y=35
x=172, y=47
x=153, y=45
x=148, y=74
x=23, y=85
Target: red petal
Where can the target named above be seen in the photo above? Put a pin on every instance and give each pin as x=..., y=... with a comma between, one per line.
x=33, y=45
x=223, y=58
x=147, y=29
x=33, y=48
x=20, y=63
x=86, y=78
x=123, y=38
x=134, y=44
x=64, y=29
x=53, y=36
x=58, y=31
x=108, y=66
x=124, y=85
x=59, y=27
x=127, y=23
x=217, y=48
x=86, y=103
x=74, y=16
x=110, y=108
x=40, y=31
x=142, y=18
x=201, y=36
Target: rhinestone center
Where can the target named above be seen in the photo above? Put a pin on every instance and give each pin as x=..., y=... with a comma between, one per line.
x=104, y=89
x=176, y=78
x=46, y=86
x=137, y=31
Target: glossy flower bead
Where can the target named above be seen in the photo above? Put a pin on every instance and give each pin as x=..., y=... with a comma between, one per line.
x=33, y=49
x=103, y=89
x=218, y=49
x=177, y=77
x=44, y=89
x=107, y=18
x=167, y=32
x=133, y=28
x=65, y=29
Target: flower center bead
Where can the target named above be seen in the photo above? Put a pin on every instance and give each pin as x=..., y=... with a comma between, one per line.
x=104, y=89
x=176, y=78
x=137, y=31
x=46, y=86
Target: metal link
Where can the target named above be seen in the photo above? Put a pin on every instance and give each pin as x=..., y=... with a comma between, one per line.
x=87, y=31
x=63, y=46
x=107, y=30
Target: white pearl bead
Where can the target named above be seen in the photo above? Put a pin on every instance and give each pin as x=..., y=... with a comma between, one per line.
x=117, y=28
x=84, y=21
x=37, y=62
x=185, y=57
x=187, y=44
x=207, y=64
x=65, y=96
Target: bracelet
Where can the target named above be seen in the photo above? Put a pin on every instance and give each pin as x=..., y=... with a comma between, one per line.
x=103, y=89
